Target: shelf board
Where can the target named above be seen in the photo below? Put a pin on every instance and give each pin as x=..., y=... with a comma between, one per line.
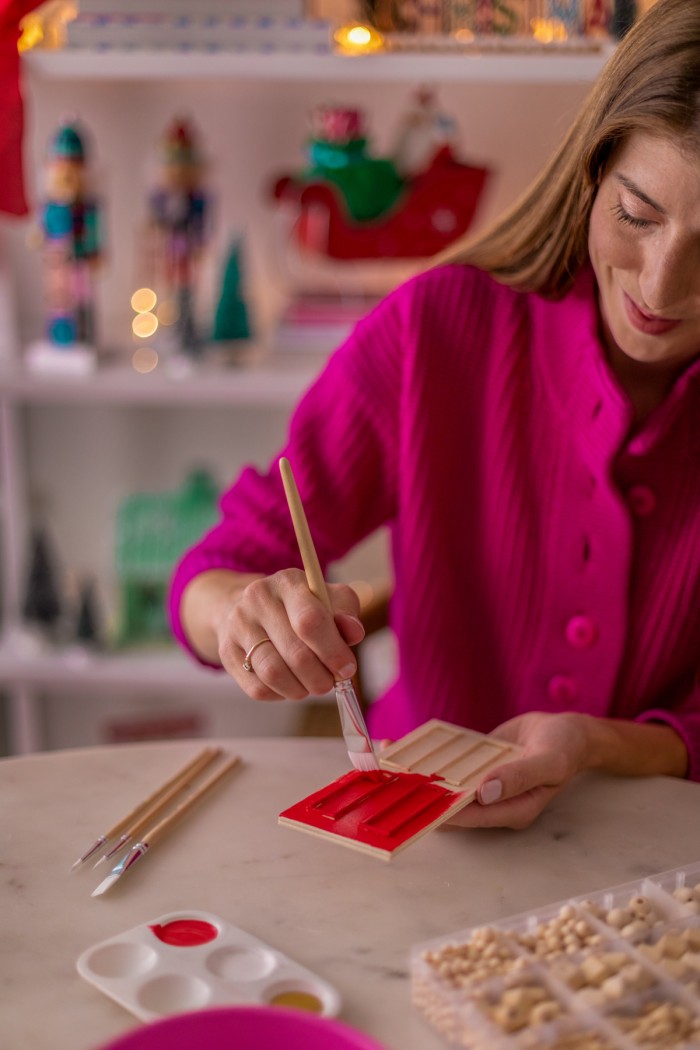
x=129, y=670
x=532, y=67
x=276, y=382
x=166, y=668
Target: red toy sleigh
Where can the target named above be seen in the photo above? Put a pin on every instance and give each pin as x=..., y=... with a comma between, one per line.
x=434, y=209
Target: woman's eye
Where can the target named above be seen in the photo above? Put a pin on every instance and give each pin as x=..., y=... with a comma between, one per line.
x=630, y=220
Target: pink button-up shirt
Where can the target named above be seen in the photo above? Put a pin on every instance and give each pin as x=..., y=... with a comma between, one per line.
x=543, y=558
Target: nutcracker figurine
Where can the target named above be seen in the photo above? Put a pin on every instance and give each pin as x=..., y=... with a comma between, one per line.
x=177, y=228
x=71, y=248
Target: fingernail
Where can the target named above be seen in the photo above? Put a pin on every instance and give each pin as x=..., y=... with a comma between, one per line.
x=347, y=671
x=491, y=791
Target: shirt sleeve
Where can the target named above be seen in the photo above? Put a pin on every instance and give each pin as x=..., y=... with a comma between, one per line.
x=344, y=450
x=684, y=717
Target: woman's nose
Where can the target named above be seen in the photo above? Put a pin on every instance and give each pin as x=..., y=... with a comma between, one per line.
x=670, y=280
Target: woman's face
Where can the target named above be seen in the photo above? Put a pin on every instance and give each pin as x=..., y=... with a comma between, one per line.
x=644, y=244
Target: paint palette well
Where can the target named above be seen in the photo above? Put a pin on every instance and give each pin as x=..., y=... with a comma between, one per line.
x=427, y=776
x=186, y=961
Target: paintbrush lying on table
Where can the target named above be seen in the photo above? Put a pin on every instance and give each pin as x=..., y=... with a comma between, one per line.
x=144, y=818
x=355, y=732
x=150, y=806
x=156, y=832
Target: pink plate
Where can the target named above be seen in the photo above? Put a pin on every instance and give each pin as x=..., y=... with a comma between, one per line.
x=245, y=1028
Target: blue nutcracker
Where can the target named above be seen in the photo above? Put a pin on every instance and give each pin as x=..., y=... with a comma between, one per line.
x=70, y=223
x=178, y=216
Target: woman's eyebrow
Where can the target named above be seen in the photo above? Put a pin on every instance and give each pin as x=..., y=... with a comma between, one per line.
x=633, y=188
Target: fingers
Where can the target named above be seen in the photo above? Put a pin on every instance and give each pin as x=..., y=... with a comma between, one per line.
x=514, y=794
x=515, y=813
x=350, y=628
x=307, y=651
x=546, y=768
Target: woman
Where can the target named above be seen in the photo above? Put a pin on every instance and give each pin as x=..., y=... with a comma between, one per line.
x=523, y=417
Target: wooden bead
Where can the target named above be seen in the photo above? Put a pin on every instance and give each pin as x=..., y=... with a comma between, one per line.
x=543, y=1013
x=618, y=917
x=671, y=946
x=640, y=906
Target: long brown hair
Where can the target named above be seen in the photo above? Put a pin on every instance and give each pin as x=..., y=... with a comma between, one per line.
x=651, y=83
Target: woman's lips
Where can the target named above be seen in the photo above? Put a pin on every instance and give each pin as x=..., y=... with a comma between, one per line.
x=647, y=323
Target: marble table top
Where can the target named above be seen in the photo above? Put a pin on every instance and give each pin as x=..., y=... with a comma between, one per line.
x=349, y=917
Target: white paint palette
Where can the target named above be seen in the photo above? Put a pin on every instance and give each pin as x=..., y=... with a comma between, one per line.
x=189, y=960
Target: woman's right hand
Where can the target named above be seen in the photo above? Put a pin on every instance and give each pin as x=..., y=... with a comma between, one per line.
x=306, y=649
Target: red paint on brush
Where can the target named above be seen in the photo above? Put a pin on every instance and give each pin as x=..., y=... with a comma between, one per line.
x=185, y=933
x=380, y=809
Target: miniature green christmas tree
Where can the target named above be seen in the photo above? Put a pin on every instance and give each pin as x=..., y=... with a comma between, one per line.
x=42, y=603
x=87, y=628
x=231, y=319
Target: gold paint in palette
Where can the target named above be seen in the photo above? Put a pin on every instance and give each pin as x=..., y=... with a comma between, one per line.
x=300, y=1000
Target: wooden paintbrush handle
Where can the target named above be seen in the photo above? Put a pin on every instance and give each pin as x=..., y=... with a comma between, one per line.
x=143, y=820
x=312, y=568
x=179, y=780
x=156, y=832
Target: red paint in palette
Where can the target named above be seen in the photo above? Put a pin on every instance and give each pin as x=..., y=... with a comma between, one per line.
x=379, y=812
x=185, y=933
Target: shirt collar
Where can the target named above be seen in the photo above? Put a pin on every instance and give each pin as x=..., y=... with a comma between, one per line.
x=583, y=387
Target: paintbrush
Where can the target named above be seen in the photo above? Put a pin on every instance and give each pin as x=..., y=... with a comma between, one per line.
x=145, y=817
x=355, y=733
x=177, y=781
x=139, y=849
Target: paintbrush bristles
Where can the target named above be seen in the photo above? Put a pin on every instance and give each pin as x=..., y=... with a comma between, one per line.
x=364, y=761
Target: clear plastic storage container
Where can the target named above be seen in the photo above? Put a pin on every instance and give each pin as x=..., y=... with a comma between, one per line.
x=615, y=970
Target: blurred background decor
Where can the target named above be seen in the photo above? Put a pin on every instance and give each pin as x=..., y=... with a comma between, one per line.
x=70, y=240
x=153, y=529
x=176, y=235
x=353, y=205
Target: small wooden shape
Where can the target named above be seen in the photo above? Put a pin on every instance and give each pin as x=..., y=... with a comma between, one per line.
x=377, y=812
x=457, y=755
x=427, y=776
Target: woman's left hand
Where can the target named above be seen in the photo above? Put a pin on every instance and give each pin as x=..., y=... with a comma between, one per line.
x=513, y=795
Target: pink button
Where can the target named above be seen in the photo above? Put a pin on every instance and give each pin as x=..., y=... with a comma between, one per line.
x=581, y=632
x=562, y=689
x=642, y=500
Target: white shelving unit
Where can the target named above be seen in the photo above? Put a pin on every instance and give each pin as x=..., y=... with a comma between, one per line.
x=271, y=383
x=534, y=67
x=243, y=89
x=262, y=384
